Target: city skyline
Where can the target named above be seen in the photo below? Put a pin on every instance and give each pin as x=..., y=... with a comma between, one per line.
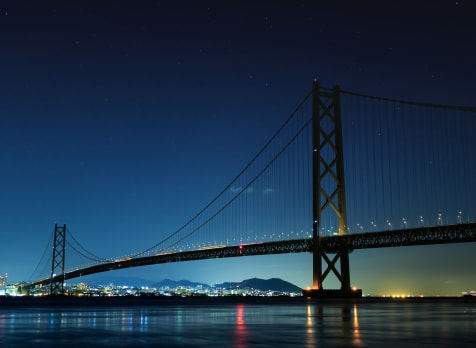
x=107, y=111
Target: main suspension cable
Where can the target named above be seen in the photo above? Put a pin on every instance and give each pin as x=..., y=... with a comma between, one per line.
x=231, y=183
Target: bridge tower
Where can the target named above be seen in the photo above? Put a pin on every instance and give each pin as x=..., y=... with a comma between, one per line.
x=328, y=192
x=57, y=266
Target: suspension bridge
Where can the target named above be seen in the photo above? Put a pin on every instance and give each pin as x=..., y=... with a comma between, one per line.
x=345, y=171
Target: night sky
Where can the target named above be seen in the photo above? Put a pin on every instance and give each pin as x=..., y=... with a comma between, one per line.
x=122, y=119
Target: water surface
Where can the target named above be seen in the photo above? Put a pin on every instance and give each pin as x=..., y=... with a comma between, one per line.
x=209, y=323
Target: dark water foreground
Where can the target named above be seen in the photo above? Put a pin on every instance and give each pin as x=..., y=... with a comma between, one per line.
x=236, y=322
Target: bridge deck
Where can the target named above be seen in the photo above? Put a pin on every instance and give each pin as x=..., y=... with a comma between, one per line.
x=459, y=233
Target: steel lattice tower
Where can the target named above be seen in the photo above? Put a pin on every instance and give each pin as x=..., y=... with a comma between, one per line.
x=328, y=191
x=57, y=266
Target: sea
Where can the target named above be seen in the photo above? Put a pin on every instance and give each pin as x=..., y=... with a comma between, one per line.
x=239, y=322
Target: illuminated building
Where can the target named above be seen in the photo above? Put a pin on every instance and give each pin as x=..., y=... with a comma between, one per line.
x=3, y=285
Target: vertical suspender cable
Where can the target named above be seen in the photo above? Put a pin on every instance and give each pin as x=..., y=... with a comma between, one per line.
x=381, y=162
x=397, y=126
x=359, y=167
x=445, y=168
x=389, y=165
x=369, y=170
x=374, y=125
x=434, y=194
x=406, y=137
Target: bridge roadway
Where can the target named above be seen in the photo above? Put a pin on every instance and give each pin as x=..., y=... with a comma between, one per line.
x=459, y=233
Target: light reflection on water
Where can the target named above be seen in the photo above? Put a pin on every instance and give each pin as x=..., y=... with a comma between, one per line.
x=240, y=339
x=248, y=324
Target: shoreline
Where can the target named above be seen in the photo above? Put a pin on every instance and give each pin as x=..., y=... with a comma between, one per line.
x=125, y=301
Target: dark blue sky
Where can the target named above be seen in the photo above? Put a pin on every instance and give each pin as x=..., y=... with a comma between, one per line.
x=123, y=119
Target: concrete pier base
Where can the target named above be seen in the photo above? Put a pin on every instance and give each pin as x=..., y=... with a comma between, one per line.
x=332, y=293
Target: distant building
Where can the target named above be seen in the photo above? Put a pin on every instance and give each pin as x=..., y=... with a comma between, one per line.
x=3, y=285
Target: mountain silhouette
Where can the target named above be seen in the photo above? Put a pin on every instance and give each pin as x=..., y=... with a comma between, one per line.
x=175, y=284
x=273, y=284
